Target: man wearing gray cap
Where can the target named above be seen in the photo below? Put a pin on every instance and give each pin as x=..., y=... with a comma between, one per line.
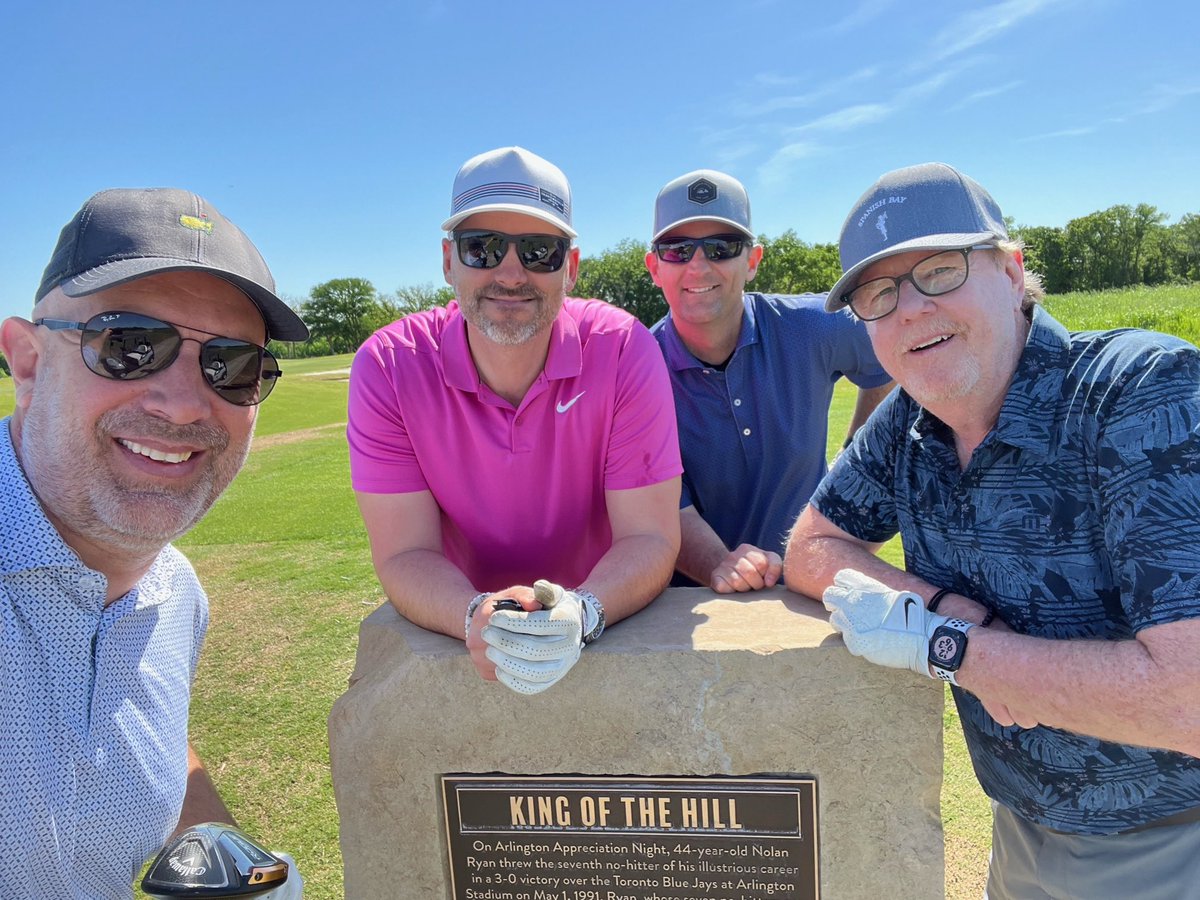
x=1046, y=485
x=516, y=441
x=753, y=376
x=136, y=386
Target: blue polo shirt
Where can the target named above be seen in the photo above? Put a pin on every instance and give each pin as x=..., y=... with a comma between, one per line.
x=753, y=436
x=1078, y=517
x=93, y=707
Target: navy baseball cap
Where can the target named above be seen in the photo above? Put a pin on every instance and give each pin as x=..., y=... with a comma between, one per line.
x=701, y=196
x=127, y=233
x=932, y=206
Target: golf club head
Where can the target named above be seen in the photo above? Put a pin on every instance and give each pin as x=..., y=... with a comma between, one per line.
x=213, y=860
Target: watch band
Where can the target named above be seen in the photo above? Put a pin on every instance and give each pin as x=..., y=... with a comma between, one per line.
x=475, y=603
x=593, y=615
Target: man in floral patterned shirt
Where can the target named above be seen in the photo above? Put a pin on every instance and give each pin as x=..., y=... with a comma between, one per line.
x=1046, y=485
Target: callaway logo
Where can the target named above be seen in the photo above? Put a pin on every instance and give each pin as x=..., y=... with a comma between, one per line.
x=881, y=224
x=563, y=407
x=908, y=604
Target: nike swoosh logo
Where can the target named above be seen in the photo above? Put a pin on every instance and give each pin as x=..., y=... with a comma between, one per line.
x=563, y=407
x=908, y=603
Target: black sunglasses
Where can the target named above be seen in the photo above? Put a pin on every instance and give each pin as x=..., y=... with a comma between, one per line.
x=537, y=252
x=716, y=248
x=125, y=346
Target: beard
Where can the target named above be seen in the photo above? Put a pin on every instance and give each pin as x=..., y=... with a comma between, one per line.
x=510, y=328
x=71, y=473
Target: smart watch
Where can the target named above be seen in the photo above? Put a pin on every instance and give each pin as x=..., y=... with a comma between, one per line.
x=947, y=647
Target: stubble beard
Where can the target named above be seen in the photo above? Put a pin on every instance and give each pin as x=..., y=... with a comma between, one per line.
x=508, y=330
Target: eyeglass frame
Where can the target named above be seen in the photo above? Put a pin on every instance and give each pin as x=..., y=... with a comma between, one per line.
x=908, y=276
x=264, y=377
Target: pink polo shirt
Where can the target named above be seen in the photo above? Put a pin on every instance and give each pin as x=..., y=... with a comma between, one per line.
x=521, y=490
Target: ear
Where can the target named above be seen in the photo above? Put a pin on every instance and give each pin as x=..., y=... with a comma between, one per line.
x=447, y=250
x=652, y=261
x=753, y=260
x=1013, y=266
x=20, y=345
x=572, y=270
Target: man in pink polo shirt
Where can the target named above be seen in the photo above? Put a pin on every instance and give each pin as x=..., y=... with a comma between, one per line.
x=516, y=442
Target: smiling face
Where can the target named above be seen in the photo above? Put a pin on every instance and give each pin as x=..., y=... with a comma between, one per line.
x=956, y=351
x=702, y=293
x=508, y=304
x=131, y=464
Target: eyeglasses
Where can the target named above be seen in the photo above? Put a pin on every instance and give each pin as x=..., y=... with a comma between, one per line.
x=126, y=346
x=716, y=248
x=933, y=276
x=537, y=252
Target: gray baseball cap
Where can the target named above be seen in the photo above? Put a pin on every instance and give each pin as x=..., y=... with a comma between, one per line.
x=932, y=206
x=127, y=233
x=511, y=179
x=701, y=196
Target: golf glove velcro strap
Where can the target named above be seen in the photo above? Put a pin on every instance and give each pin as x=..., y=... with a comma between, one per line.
x=533, y=650
x=885, y=626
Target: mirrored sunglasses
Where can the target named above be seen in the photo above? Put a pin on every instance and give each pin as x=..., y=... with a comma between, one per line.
x=537, y=252
x=126, y=346
x=716, y=248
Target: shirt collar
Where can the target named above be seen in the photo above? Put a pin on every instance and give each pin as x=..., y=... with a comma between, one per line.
x=27, y=538
x=679, y=357
x=1035, y=389
x=563, y=360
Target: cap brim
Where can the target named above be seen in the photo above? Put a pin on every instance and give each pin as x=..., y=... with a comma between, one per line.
x=740, y=229
x=454, y=221
x=281, y=320
x=833, y=301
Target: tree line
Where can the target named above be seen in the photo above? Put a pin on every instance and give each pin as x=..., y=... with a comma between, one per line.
x=1113, y=248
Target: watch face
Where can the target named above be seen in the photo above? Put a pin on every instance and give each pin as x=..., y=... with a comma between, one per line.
x=945, y=647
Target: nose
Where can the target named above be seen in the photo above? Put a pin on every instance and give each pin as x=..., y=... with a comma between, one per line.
x=510, y=271
x=179, y=392
x=910, y=302
x=699, y=259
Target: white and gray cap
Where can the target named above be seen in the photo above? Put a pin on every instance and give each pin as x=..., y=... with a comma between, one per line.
x=703, y=195
x=511, y=179
x=932, y=206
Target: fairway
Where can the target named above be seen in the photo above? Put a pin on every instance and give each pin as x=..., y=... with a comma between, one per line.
x=285, y=561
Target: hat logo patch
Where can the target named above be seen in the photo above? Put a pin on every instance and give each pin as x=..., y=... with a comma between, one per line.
x=552, y=200
x=881, y=224
x=702, y=191
x=881, y=202
x=196, y=224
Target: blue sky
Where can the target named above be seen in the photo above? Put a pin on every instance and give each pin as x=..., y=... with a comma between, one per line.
x=331, y=132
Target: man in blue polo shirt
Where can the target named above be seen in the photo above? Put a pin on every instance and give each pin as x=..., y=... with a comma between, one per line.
x=1047, y=486
x=753, y=376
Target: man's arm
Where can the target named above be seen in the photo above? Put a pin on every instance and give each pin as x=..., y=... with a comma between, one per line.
x=705, y=559
x=638, y=565
x=864, y=405
x=201, y=802
x=1139, y=691
x=405, y=533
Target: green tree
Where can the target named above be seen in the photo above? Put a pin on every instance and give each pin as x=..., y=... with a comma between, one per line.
x=1046, y=254
x=342, y=312
x=619, y=276
x=790, y=266
x=1183, y=248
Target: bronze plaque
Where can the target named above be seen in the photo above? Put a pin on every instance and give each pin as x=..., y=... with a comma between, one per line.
x=515, y=837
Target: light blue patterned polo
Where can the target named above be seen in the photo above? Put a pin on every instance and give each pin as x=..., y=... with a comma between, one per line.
x=1077, y=517
x=93, y=707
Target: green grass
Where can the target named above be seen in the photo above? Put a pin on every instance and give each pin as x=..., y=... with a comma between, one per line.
x=286, y=564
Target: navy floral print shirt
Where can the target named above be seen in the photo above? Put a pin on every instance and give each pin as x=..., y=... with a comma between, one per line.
x=1078, y=517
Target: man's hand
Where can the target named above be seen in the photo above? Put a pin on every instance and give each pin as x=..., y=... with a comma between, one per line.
x=533, y=650
x=746, y=568
x=887, y=627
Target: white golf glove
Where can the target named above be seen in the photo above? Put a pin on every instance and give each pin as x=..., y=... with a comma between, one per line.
x=533, y=650
x=888, y=627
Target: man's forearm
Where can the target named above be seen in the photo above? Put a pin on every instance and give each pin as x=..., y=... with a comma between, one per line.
x=201, y=802
x=427, y=589
x=633, y=572
x=700, y=549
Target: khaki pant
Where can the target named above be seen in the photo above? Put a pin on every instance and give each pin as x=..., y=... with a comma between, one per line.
x=1032, y=862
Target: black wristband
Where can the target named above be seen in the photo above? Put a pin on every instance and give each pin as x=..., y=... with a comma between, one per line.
x=987, y=619
x=937, y=598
